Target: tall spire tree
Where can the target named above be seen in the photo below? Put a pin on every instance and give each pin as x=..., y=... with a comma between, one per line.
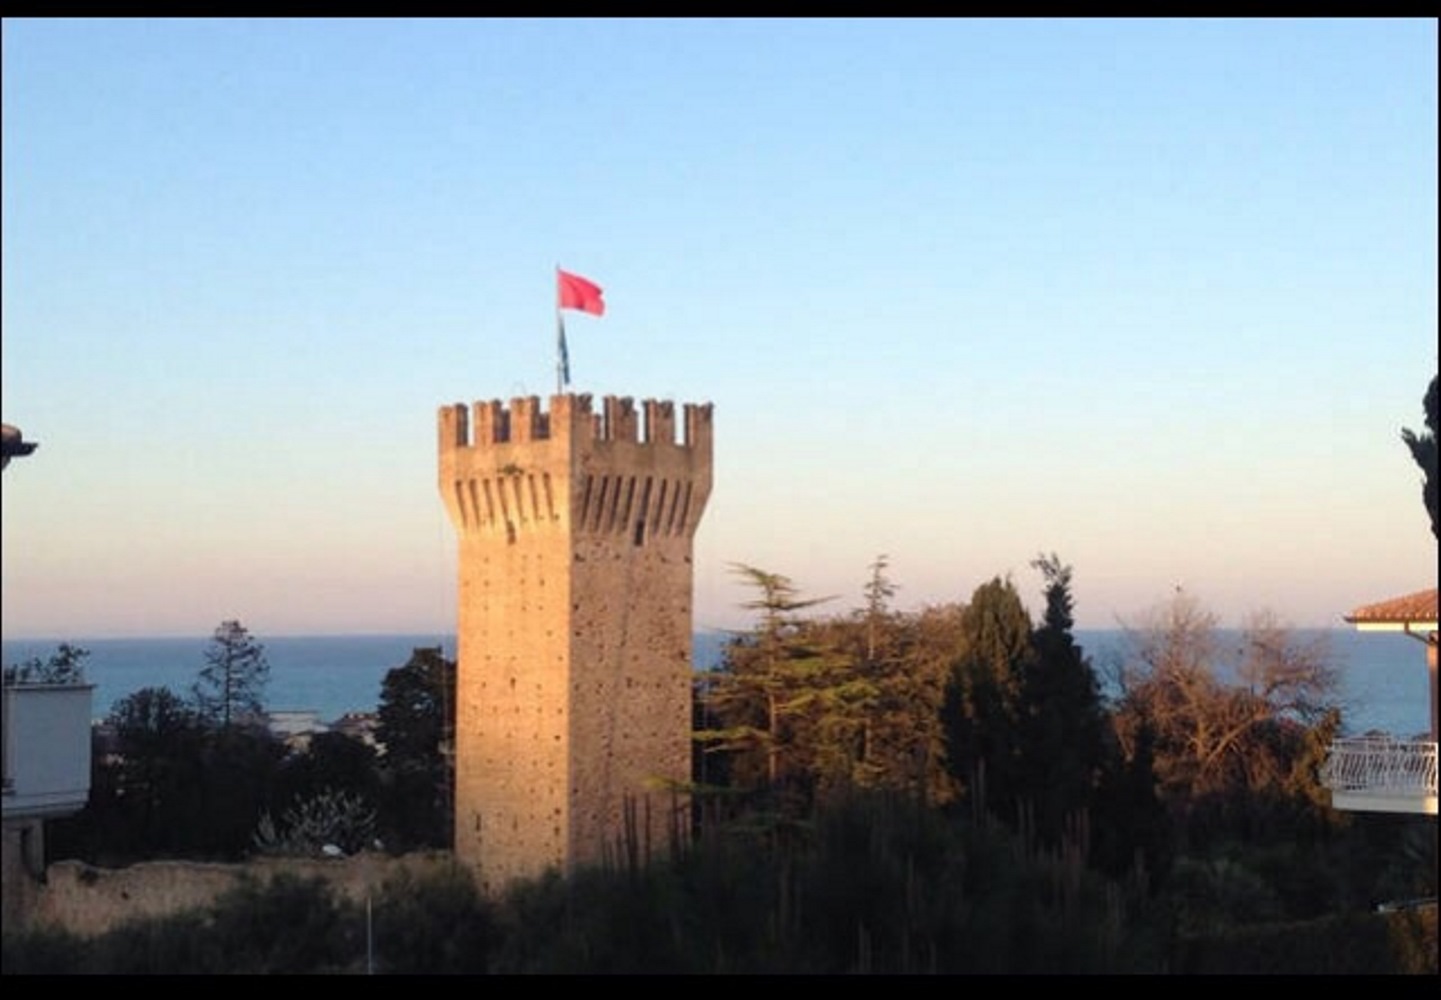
x=231, y=686
x=1060, y=722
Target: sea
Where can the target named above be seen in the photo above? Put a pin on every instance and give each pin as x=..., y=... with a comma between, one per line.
x=1382, y=680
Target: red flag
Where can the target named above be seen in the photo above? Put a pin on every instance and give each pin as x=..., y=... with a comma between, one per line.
x=577, y=293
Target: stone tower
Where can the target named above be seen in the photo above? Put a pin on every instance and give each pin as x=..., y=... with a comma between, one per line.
x=573, y=692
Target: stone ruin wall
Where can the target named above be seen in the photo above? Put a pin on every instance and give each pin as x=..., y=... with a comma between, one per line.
x=87, y=900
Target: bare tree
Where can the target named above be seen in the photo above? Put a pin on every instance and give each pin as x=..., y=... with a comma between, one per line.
x=1221, y=726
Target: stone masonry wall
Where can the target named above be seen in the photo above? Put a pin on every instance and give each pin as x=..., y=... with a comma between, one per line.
x=87, y=900
x=574, y=628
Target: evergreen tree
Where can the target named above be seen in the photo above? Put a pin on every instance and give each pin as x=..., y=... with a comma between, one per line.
x=773, y=685
x=879, y=619
x=917, y=736
x=1423, y=449
x=144, y=809
x=240, y=775
x=416, y=730
x=874, y=638
x=330, y=762
x=167, y=784
x=901, y=663
x=983, y=698
x=1131, y=831
x=1061, y=720
x=231, y=686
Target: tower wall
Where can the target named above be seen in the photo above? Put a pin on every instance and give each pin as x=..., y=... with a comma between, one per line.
x=574, y=630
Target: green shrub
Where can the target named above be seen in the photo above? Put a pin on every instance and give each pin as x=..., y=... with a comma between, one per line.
x=41, y=951
x=177, y=944
x=286, y=924
x=1351, y=944
x=872, y=885
x=436, y=922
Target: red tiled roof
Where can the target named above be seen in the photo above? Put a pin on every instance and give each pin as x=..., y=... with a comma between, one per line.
x=1413, y=608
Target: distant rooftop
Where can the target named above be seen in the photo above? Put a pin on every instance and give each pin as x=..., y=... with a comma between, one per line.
x=1417, y=609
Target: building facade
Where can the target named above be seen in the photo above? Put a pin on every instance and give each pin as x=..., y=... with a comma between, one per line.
x=574, y=666
x=1383, y=772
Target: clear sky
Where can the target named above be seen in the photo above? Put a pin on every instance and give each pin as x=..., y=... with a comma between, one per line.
x=1155, y=296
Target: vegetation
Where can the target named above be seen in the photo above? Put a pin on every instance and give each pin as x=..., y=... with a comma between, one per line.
x=983, y=698
x=1423, y=449
x=164, y=783
x=416, y=727
x=778, y=689
x=436, y=922
x=330, y=764
x=1199, y=779
x=282, y=925
x=327, y=822
x=944, y=790
x=876, y=883
x=64, y=666
x=231, y=686
x=1234, y=756
x=173, y=778
x=1062, y=729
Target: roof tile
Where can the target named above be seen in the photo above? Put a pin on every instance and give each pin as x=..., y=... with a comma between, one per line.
x=1413, y=608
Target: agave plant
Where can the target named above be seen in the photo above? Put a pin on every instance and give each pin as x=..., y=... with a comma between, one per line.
x=321, y=825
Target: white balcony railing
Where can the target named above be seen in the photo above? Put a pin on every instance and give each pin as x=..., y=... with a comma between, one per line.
x=1382, y=774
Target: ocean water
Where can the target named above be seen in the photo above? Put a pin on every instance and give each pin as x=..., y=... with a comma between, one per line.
x=330, y=675
x=1382, y=681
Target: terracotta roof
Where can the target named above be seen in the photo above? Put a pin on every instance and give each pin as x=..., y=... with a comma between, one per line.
x=1413, y=608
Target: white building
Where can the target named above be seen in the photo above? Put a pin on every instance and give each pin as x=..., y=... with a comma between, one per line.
x=1386, y=772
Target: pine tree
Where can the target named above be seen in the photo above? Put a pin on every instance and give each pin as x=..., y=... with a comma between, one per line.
x=901, y=662
x=774, y=683
x=231, y=686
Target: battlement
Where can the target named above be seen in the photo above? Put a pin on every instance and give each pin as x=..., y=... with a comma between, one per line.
x=575, y=525
x=491, y=422
x=509, y=472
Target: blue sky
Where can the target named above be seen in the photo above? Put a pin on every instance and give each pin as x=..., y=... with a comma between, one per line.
x=1157, y=296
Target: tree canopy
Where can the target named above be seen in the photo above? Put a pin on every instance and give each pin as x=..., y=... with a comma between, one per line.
x=981, y=703
x=416, y=730
x=231, y=686
x=64, y=666
x=1423, y=449
x=1231, y=732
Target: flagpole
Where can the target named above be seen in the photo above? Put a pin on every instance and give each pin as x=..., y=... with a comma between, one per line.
x=559, y=353
x=559, y=339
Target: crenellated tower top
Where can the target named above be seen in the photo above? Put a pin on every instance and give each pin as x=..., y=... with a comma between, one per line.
x=511, y=471
x=572, y=418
